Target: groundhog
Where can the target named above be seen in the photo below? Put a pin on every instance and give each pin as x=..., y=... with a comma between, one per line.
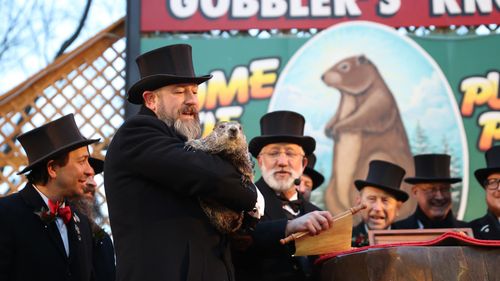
x=227, y=140
x=366, y=126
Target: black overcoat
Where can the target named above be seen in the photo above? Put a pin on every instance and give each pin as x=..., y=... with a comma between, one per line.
x=152, y=186
x=32, y=250
x=103, y=257
x=486, y=228
x=411, y=222
x=267, y=259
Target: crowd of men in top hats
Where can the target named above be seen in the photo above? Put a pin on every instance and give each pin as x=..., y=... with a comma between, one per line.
x=154, y=186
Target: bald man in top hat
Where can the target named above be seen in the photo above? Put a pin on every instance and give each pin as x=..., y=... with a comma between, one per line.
x=381, y=193
x=153, y=184
x=310, y=179
x=432, y=189
x=280, y=151
x=42, y=238
x=488, y=226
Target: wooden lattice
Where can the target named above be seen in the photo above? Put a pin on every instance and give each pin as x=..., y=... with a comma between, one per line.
x=89, y=82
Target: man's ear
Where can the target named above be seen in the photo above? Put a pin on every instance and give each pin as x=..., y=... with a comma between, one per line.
x=414, y=190
x=149, y=100
x=304, y=163
x=398, y=207
x=51, y=170
x=358, y=198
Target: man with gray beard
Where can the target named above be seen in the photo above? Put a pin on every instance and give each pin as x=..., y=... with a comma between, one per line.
x=153, y=184
x=281, y=154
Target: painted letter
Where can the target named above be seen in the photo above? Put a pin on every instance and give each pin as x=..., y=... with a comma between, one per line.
x=273, y=8
x=214, y=11
x=439, y=7
x=388, y=7
x=490, y=121
x=183, y=8
x=245, y=8
x=345, y=8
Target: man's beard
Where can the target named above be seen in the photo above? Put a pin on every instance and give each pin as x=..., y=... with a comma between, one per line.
x=85, y=206
x=278, y=185
x=190, y=128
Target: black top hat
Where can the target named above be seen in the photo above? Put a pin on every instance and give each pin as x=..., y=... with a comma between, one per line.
x=386, y=176
x=58, y=136
x=432, y=168
x=164, y=66
x=96, y=164
x=282, y=126
x=315, y=176
x=492, y=157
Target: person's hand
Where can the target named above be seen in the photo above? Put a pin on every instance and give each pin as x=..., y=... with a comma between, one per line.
x=313, y=222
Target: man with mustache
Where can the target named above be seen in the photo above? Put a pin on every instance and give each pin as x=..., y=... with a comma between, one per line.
x=281, y=151
x=153, y=184
x=488, y=226
x=103, y=253
x=42, y=237
x=432, y=189
x=383, y=197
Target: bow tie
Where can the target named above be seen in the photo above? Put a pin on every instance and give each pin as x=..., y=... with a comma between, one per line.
x=294, y=204
x=63, y=212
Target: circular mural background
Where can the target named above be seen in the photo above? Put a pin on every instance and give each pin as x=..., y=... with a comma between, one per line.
x=427, y=108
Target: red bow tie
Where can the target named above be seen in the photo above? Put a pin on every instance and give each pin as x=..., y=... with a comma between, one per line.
x=63, y=212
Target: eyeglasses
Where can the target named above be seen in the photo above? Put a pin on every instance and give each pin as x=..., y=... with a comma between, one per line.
x=491, y=184
x=275, y=155
x=434, y=190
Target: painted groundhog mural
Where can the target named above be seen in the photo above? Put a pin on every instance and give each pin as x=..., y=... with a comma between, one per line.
x=366, y=126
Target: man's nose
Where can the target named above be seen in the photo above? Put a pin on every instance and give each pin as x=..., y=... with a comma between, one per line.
x=282, y=159
x=377, y=205
x=191, y=98
x=438, y=194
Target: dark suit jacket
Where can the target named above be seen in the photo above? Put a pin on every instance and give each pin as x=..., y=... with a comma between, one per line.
x=152, y=186
x=411, y=222
x=103, y=257
x=267, y=259
x=486, y=228
x=32, y=250
x=359, y=236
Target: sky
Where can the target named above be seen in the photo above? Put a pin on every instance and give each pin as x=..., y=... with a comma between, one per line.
x=32, y=53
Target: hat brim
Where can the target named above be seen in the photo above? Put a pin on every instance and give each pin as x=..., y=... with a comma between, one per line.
x=425, y=180
x=399, y=194
x=153, y=82
x=315, y=176
x=482, y=174
x=66, y=148
x=257, y=143
x=96, y=164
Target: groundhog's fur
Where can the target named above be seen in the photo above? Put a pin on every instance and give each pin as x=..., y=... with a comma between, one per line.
x=227, y=139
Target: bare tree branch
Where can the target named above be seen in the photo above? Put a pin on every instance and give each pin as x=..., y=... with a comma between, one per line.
x=73, y=37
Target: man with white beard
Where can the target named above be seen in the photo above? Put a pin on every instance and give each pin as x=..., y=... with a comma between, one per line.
x=281, y=154
x=153, y=185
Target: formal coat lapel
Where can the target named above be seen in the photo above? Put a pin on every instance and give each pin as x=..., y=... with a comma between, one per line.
x=36, y=203
x=273, y=209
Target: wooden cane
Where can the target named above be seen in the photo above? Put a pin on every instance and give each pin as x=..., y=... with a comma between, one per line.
x=297, y=235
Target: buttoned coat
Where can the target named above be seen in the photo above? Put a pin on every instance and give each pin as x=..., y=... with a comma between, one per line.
x=152, y=185
x=411, y=222
x=486, y=227
x=267, y=259
x=32, y=249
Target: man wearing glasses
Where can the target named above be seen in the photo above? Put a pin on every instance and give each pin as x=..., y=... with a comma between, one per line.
x=488, y=227
x=281, y=152
x=432, y=189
